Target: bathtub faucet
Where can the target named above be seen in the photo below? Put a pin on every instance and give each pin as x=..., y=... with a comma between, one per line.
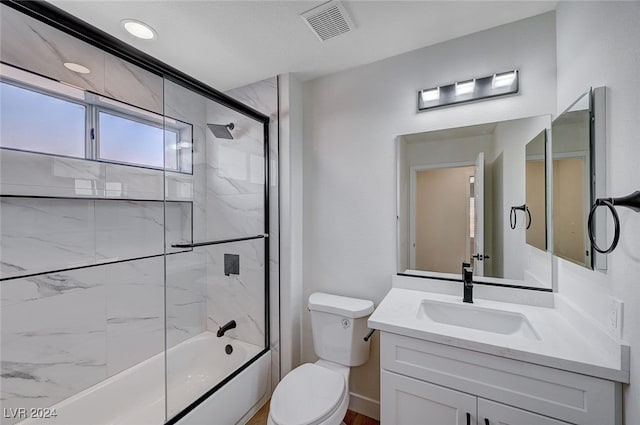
x=222, y=329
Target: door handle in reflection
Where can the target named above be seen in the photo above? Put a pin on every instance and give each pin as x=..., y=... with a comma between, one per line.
x=481, y=257
x=486, y=421
x=468, y=418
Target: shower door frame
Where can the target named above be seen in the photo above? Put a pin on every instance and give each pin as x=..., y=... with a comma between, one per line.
x=65, y=22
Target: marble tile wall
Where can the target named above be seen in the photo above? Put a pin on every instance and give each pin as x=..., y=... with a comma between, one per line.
x=64, y=332
x=235, y=176
x=186, y=273
x=34, y=46
x=263, y=96
x=41, y=234
x=35, y=174
x=237, y=297
x=185, y=297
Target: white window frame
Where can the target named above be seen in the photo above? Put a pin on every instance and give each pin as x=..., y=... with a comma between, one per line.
x=93, y=105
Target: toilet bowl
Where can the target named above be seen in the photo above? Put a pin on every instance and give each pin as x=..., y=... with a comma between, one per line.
x=318, y=393
x=311, y=394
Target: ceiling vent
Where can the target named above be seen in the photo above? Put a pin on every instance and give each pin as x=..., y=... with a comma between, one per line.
x=328, y=20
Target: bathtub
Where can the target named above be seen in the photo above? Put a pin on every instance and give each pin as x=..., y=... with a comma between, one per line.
x=136, y=396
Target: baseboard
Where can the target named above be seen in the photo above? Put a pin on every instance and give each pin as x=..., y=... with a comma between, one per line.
x=364, y=405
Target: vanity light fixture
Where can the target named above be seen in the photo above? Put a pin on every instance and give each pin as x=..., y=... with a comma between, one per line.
x=465, y=87
x=76, y=67
x=138, y=29
x=431, y=94
x=503, y=80
x=499, y=84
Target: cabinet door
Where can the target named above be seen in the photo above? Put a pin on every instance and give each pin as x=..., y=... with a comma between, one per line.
x=491, y=413
x=407, y=401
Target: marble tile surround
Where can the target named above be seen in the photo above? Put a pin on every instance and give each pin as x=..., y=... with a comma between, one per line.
x=37, y=47
x=263, y=96
x=237, y=297
x=119, y=322
x=38, y=235
x=64, y=332
x=35, y=174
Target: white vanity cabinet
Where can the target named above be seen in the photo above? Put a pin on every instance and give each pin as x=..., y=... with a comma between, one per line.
x=425, y=383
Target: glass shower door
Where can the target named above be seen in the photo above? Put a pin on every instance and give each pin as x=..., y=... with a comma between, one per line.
x=215, y=272
x=82, y=228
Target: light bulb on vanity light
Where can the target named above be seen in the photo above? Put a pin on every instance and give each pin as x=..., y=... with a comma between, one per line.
x=465, y=87
x=503, y=80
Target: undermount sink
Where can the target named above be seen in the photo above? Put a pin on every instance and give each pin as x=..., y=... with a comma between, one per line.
x=480, y=318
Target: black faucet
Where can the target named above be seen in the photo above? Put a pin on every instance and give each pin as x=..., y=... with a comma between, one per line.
x=222, y=329
x=467, y=280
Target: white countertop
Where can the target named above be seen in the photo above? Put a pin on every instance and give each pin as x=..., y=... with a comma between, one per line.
x=567, y=341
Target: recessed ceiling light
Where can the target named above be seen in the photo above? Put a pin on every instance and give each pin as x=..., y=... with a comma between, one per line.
x=76, y=67
x=138, y=29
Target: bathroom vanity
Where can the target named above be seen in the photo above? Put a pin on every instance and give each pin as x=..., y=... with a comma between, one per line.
x=523, y=360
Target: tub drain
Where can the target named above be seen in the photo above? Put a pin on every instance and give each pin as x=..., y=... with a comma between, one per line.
x=228, y=349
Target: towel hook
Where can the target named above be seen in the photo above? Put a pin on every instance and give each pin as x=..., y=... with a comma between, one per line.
x=513, y=218
x=630, y=201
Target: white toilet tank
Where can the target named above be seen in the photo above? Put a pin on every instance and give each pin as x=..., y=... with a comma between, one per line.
x=339, y=325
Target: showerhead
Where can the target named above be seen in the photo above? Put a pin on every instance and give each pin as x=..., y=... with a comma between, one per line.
x=221, y=131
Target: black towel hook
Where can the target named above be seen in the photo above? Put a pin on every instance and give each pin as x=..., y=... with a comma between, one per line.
x=630, y=201
x=513, y=218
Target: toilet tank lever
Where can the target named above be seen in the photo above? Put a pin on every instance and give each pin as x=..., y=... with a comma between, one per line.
x=369, y=335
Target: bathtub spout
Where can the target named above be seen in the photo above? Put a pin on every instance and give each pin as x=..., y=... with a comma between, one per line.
x=222, y=329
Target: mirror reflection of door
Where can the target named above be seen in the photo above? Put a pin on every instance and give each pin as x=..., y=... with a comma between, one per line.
x=477, y=215
x=569, y=191
x=449, y=210
x=535, y=180
x=446, y=221
x=572, y=184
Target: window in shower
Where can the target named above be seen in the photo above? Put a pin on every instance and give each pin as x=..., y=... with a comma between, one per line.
x=113, y=261
x=42, y=117
x=38, y=122
x=130, y=141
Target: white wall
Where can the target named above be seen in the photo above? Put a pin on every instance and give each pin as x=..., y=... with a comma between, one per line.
x=598, y=43
x=291, y=248
x=351, y=120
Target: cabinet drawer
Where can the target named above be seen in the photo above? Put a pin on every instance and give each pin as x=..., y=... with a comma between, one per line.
x=570, y=397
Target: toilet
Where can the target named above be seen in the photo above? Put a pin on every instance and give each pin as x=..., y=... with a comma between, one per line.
x=318, y=393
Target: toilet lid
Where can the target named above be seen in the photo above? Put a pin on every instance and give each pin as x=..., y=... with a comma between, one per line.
x=307, y=395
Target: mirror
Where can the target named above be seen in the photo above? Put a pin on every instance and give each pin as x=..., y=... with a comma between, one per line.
x=578, y=158
x=536, y=194
x=456, y=188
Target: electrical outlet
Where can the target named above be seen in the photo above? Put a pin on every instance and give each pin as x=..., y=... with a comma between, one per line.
x=615, y=316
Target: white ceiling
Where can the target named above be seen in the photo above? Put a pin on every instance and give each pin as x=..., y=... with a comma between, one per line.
x=228, y=44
